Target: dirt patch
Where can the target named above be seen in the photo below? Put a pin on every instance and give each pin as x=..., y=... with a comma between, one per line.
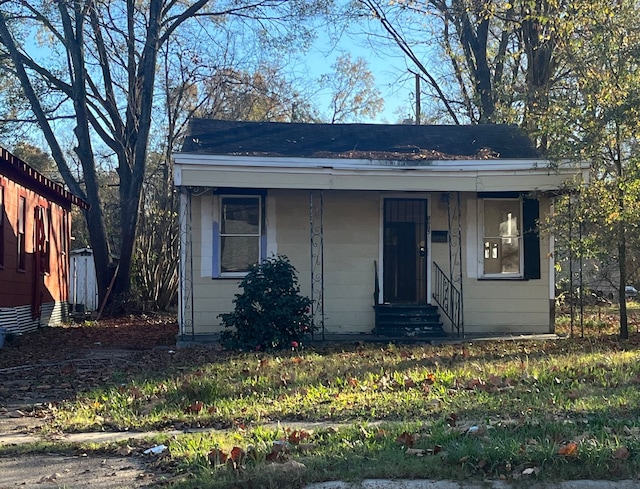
x=59, y=343
x=55, y=471
x=56, y=363
x=40, y=369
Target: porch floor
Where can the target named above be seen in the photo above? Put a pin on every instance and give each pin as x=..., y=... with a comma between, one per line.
x=214, y=339
x=449, y=339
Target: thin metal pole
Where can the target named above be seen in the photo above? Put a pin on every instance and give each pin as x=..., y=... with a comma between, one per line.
x=570, y=267
x=190, y=250
x=316, y=243
x=582, y=296
x=461, y=308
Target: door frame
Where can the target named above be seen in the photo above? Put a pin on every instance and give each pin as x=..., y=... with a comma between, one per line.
x=407, y=196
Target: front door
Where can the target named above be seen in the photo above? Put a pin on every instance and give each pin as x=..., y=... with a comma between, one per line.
x=405, y=251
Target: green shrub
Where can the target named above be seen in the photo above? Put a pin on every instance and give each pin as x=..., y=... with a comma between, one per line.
x=270, y=312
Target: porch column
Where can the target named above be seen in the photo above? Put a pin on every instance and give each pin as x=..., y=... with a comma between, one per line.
x=316, y=238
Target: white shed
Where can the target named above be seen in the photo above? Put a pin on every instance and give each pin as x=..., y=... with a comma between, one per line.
x=83, y=285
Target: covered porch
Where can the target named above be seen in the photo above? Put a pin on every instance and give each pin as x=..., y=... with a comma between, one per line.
x=392, y=245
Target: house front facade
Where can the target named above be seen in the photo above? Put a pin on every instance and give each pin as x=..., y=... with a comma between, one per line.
x=35, y=232
x=395, y=230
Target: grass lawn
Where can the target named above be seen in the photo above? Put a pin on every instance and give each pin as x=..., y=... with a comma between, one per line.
x=546, y=410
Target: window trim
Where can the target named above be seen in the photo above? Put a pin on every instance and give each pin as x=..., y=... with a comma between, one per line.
x=3, y=218
x=43, y=216
x=218, y=235
x=21, y=222
x=64, y=235
x=481, y=241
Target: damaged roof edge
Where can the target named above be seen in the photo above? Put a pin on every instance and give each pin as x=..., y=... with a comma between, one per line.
x=372, y=164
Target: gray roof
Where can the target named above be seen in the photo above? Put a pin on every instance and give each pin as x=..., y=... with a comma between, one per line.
x=360, y=141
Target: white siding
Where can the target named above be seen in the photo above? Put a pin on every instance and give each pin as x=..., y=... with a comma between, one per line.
x=351, y=222
x=351, y=245
x=518, y=306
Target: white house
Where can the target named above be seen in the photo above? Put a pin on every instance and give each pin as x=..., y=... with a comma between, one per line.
x=395, y=230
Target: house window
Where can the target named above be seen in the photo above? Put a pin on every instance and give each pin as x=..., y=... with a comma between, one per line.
x=238, y=240
x=41, y=236
x=64, y=236
x=22, y=218
x=509, y=237
x=502, y=237
x=2, y=231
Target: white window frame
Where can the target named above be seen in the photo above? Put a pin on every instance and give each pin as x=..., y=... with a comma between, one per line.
x=481, y=240
x=221, y=235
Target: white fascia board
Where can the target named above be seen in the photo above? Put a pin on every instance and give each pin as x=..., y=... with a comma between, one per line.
x=388, y=179
x=340, y=163
x=302, y=173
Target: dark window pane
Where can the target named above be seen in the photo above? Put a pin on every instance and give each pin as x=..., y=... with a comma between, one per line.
x=240, y=215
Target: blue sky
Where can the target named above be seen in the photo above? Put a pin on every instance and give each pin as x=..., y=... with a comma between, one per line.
x=388, y=66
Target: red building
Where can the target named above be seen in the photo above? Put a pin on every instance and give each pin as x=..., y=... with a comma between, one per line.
x=35, y=229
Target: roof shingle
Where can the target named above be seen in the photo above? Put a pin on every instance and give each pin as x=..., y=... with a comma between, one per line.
x=357, y=141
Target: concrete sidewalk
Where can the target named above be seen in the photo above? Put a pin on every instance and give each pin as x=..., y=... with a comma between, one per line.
x=489, y=484
x=41, y=474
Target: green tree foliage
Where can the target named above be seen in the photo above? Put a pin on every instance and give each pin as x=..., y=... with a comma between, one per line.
x=270, y=312
x=99, y=70
x=36, y=158
x=353, y=91
x=155, y=268
x=598, y=123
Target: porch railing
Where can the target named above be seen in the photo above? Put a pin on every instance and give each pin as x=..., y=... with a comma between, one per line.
x=448, y=297
x=376, y=288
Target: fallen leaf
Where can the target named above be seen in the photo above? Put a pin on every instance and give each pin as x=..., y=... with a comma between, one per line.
x=418, y=452
x=297, y=436
x=621, y=453
x=51, y=478
x=569, y=449
x=217, y=457
x=237, y=454
x=194, y=407
x=452, y=419
x=124, y=451
x=406, y=439
x=287, y=467
x=435, y=403
x=409, y=383
x=306, y=447
x=353, y=382
x=380, y=434
x=68, y=369
x=278, y=453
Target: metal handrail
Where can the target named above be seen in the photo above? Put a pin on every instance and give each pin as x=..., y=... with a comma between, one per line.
x=376, y=289
x=448, y=297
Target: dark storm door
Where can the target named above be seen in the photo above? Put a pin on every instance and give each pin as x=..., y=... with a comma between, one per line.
x=405, y=251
